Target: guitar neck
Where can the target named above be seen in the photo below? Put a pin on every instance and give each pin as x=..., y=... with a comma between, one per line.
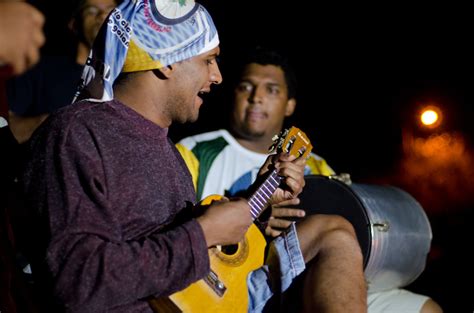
x=258, y=201
x=292, y=141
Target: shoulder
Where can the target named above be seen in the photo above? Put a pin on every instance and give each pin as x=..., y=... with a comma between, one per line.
x=315, y=156
x=191, y=141
x=82, y=114
x=318, y=166
x=81, y=110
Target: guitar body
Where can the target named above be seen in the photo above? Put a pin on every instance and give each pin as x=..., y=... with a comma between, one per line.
x=231, y=270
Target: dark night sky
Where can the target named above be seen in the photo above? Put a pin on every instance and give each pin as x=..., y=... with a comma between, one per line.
x=366, y=70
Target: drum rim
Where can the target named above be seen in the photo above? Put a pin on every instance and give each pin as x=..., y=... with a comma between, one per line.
x=367, y=225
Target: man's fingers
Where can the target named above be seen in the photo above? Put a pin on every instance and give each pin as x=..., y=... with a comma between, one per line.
x=287, y=203
x=272, y=232
x=37, y=17
x=279, y=223
x=32, y=57
x=287, y=212
x=39, y=38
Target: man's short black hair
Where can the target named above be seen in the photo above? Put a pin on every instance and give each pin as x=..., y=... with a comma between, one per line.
x=270, y=56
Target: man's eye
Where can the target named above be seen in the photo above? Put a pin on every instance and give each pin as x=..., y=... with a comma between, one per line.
x=244, y=87
x=91, y=11
x=273, y=90
x=95, y=11
x=212, y=61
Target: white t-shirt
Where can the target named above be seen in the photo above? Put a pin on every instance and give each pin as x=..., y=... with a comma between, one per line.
x=220, y=165
x=3, y=122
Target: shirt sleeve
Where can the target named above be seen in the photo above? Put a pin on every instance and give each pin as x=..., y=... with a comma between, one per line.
x=191, y=162
x=319, y=166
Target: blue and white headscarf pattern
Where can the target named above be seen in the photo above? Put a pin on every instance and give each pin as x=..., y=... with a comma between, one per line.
x=143, y=35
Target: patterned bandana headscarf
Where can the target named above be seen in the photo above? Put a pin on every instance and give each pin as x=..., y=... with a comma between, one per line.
x=144, y=35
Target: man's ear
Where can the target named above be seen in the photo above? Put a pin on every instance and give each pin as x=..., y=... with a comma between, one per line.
x=290, y=107
x=73, y=26
x=165, y=71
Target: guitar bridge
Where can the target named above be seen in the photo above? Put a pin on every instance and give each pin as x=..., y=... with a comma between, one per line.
x=216, y=285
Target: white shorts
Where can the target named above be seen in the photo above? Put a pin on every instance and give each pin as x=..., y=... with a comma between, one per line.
x=395, y=301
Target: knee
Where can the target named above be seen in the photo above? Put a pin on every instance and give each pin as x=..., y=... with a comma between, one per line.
x=320, y=233
x=324, y=225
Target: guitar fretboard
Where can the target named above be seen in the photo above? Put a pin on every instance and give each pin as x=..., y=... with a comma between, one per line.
x=259, y=199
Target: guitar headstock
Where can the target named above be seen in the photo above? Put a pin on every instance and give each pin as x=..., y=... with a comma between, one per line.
x=293, y=141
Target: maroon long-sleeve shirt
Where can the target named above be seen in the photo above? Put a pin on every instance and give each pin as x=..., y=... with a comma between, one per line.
x=107, y=185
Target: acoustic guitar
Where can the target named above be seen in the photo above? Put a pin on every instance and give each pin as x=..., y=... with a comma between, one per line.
x=224, y=289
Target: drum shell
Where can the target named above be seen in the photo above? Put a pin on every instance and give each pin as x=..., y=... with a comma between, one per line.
x=392, y=227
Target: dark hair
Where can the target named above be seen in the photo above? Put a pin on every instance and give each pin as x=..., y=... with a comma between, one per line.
x=76, y=15
x=268, y=56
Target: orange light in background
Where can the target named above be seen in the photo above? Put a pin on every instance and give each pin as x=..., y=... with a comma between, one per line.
x=430, y=116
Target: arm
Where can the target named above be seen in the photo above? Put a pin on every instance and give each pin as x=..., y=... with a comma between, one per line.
x=21, y=35
x=226, y=221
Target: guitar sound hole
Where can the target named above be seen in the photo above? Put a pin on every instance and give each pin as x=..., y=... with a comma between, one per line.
x=230, y=249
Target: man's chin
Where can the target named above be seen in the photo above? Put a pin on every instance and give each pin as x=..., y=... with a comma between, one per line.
x=253, y=133
x=191, y=119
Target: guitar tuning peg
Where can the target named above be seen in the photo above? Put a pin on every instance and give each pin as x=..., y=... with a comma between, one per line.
x=301, y=151
x=272, y=148
x=277, y=140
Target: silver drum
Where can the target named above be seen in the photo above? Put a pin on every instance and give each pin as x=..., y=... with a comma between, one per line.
x=392, y=228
